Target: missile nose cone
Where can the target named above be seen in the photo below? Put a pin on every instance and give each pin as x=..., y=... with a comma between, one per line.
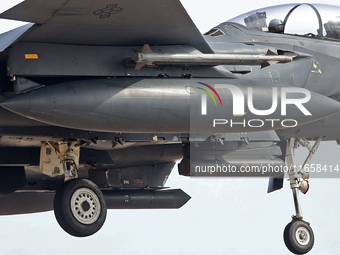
x=184, y=198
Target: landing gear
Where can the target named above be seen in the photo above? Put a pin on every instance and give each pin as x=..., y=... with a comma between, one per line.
x=298, y=235
x=79, y=207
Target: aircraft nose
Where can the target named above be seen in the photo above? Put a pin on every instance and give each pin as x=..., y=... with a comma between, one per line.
x=321, y=106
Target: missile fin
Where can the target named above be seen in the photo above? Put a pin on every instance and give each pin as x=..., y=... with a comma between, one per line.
x=146, y=49
x=271, y=53
x=139, y=65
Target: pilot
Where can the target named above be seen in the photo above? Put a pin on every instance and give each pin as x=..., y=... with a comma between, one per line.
x=276, y=26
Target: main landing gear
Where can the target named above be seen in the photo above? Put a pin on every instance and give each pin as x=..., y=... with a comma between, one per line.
x=79, y=205
x=298, y=235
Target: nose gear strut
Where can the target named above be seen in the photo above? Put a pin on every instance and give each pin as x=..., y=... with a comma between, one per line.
x=298, y=235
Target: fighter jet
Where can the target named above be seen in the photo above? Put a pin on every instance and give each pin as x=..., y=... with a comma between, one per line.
x=100, y=100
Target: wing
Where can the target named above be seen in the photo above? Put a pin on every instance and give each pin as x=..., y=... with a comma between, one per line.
x=101, y=22
x=8, y=38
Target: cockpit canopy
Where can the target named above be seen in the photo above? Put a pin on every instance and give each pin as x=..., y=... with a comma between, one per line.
x=312, y=20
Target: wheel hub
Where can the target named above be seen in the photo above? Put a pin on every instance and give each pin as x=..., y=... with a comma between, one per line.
x=85, y=206
x=302, y=236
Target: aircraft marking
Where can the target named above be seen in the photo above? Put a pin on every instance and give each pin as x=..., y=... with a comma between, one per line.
x=108, y=11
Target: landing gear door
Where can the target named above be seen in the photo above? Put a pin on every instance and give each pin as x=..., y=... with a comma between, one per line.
x=49, y=161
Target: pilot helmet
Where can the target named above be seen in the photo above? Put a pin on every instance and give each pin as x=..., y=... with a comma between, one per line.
x=276, y=26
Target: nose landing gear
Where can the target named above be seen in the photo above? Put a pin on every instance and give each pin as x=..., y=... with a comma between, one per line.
x=298, y=235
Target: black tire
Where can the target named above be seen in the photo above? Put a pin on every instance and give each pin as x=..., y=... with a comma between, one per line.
x=298, y=237
x=87, y=213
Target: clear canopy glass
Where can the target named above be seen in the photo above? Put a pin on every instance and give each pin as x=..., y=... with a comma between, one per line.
x=311, y=20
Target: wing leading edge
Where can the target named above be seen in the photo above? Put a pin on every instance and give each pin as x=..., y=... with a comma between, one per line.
x=99, y=22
